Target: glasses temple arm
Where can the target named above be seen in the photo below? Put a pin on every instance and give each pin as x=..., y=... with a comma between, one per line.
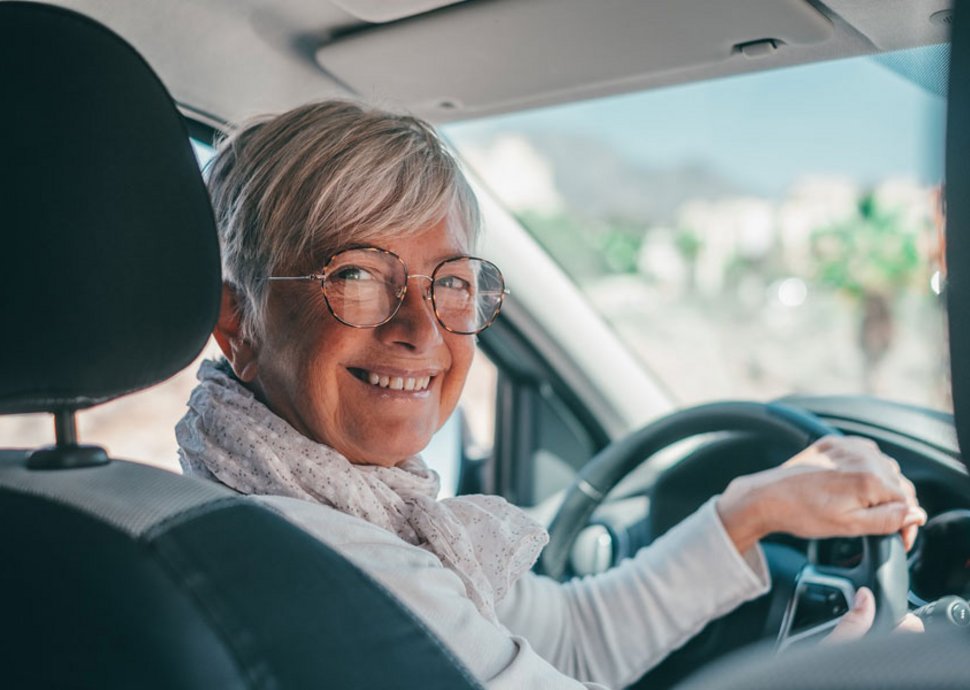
x=309, y=277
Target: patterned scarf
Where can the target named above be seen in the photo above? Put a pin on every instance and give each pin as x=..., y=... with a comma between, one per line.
x=230, y=437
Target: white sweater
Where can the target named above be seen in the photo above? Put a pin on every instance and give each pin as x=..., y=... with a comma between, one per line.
x=603, y=630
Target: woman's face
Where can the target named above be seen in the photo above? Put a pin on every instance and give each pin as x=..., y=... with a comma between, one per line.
x=315, y=372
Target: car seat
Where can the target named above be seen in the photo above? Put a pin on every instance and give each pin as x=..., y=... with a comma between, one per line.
x=114, y=574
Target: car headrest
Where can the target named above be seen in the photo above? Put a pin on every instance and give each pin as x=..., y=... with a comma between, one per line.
x=109, y=261
x=958, y=223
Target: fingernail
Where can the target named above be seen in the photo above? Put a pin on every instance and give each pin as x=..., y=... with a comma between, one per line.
x=916, y=514
x=859, y=601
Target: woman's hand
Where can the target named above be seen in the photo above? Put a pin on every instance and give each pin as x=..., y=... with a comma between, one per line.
x=858, y=620
x=838, y=486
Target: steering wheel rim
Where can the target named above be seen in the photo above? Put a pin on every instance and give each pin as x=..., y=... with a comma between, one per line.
x=883, y=567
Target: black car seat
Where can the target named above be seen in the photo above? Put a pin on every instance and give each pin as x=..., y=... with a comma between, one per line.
x=114, y=574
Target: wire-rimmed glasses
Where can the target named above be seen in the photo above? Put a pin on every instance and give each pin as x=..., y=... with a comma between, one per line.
x=365, y=286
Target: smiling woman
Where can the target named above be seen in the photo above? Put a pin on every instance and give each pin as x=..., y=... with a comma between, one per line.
x=702, y=210
x=348, y=317
x=329, y=179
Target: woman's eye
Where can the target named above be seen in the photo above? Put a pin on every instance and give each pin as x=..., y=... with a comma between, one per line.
x=351, y=273
x=453, y=283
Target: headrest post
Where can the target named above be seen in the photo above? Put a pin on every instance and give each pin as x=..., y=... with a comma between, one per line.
x=66, y=453
x=65, y=428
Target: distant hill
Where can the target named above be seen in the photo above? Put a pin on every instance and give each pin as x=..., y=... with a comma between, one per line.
x=607, y=182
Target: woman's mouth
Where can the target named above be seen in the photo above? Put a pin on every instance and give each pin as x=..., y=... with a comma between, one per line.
x=392, y=381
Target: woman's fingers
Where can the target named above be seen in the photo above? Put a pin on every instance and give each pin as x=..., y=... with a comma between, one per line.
x=839, y=486
x=863, y=458
x=857, y=621
x=909, y=536
x=915, y=518
x=911, y=623
x=895, y=508
x=884, y=518
x=908, y=488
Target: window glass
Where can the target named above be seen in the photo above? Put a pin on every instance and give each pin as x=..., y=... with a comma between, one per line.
x=749, y=237
x=203, y=152
x=563, y=446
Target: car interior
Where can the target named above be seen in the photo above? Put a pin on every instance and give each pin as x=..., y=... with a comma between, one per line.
x=117, y=574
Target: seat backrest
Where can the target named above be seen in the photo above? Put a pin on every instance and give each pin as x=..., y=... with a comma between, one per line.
x=113, y=574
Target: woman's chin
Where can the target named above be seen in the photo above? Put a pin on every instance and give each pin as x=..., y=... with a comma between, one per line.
x=387, y=454
x=379, y=460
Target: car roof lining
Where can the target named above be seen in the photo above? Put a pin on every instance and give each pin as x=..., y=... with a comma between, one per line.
x=546, y=62
x=482, y=57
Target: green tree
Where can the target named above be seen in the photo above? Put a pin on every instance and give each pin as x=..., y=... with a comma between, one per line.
x=871, y=257
x=689, y=244
x=567, y=239
x=618, y=241
x=586, y=248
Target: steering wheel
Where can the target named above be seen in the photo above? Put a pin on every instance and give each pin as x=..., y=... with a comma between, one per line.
x=821, y=593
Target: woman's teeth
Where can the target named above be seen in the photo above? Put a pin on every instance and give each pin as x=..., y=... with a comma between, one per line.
x=399, y=383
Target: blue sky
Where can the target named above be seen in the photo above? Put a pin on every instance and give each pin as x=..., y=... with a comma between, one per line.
x=852, y=117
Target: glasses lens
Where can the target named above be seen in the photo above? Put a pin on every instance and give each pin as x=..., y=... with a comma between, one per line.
x=467, y=294
x=363, y=286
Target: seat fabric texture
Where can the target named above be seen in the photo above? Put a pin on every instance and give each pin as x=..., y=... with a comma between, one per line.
x=128, y=576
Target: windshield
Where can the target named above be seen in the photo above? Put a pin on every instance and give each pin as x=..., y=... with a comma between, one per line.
x=749, y=237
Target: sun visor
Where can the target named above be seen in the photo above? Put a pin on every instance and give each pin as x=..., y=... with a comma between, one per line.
x=914, y=22
x=382, y=11
x=444, y=62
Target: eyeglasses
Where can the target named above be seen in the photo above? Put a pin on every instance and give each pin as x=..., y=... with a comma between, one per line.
x=364, y=288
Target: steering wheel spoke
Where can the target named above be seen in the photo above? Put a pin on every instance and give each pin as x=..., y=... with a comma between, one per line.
x=824, y=592
x=818, y=603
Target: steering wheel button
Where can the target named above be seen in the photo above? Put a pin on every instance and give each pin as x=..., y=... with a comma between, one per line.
x=817, y=604
x=960, y=613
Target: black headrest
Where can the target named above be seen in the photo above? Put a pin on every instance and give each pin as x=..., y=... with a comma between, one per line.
x=109, y=263
x=958, y=222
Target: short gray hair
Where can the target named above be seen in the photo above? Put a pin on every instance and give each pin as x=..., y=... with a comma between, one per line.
x=290, y=190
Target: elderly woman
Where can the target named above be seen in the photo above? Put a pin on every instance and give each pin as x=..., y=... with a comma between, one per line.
x=351, y=302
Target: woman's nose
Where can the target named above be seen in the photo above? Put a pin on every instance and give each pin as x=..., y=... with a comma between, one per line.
x=421, y=286
x=415, y=324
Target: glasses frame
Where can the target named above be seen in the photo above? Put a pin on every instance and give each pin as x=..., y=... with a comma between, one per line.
x=322, y=279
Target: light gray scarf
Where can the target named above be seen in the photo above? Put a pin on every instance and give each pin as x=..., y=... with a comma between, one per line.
x=230, y=437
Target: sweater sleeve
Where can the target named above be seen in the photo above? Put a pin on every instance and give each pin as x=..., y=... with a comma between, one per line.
x=500, y=659
x=613, y=627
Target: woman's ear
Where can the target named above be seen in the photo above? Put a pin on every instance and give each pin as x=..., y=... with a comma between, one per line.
x=228, y=333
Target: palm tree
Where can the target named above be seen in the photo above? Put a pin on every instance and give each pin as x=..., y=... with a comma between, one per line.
x=871, y=257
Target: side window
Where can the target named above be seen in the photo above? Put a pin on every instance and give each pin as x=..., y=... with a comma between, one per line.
x=540, y=443
x=512, y=434
x=563, y=446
